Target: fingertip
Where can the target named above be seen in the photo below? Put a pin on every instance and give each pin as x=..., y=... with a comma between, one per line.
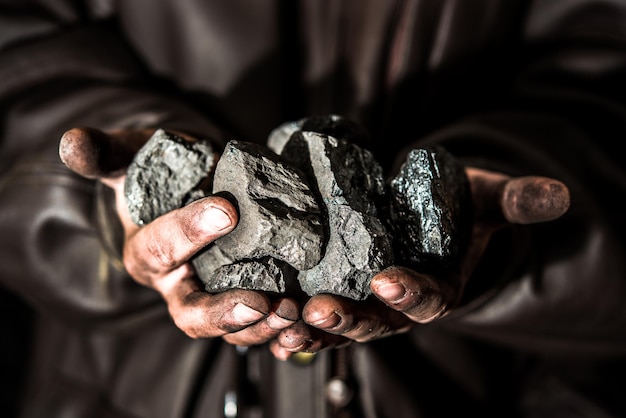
x=207, y=219
x=279, y=352
x=530, y=199
x=227, y=206
x=287, y=308
x=226, y=203
x=295, y=338
x=560, y=198
x=389, y=292
x=80, y=151
x=247, y=315
x=420, y=297
x=283, y=313
x=217, y=220
x=388, y=285
x=244, y=308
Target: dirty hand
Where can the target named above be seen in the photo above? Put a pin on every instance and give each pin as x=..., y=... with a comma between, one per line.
x=405, y=297
x=157, y=255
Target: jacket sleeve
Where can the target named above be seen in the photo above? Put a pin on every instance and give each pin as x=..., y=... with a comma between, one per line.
x=51, y=249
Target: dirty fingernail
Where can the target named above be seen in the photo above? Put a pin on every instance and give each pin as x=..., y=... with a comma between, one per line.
x=276, y=322
x=245, y=314
x=325, y=322
x=391, y=292
x=218, y=219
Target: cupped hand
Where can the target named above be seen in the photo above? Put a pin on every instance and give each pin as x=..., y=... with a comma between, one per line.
x=158, y=254
x=405, y=297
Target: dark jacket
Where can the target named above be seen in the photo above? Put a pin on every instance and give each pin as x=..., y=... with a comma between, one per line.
x=522, y=87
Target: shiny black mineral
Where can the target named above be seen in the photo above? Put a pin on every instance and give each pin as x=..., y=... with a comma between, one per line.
x=430, y=210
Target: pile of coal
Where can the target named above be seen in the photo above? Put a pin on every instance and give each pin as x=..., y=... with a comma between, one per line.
x=315, y=212
x=311, y=211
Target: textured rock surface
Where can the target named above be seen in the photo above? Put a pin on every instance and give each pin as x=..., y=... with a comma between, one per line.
x=350, y=184
x=318, y=217
x=207, y=261
x=267, y=274
x=278, y=214
x=164, y=175
x=331, y=125
x=429, y=209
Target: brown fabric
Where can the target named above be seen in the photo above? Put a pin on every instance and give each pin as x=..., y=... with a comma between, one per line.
x=521, y=87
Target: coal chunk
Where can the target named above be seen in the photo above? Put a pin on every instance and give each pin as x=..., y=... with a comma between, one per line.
x=165, y=174
x=350, y=185
x=267, y=274
x=336, y=126
x=430, y=210
x=279, y=217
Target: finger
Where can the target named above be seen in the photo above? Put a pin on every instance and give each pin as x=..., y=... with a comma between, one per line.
x=202, y=315
x=279, y=352
x=498, y=198
x=284, y=313
x=94, y=153
x=301, y=337
x=171, y=239
x=358, y=321
x=532, y=199
x=419, y=297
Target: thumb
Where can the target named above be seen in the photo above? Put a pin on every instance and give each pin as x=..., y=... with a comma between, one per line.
x=533, y=199
x=94, y=153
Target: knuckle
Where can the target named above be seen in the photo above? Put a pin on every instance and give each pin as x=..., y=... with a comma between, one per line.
x=162, y=254
x=194, y=230
x=186, y=323
x=135, y=269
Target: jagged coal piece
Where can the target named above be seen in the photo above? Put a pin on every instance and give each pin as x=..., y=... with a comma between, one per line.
x=430, y=210
x=267, y=274
x=279, y=216
x=350, y=185
x=165, y=174
x=332, y=125
x=279, y=219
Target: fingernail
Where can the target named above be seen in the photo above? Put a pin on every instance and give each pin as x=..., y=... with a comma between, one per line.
x=391, y=292
x=218, y=219
x=299, y=348
x=276, y=322
x=245, y=314
x=326, y=322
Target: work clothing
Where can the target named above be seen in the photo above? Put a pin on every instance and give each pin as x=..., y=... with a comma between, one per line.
x=520, y=87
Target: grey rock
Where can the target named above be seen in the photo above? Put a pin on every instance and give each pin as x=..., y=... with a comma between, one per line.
x=165, y=174
x=267, y=274
x=332, y=125
x=278, y=214
x=430, y=210
x=350, y=184
x=205, y=262
x=280, y=136
x=318, y=217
